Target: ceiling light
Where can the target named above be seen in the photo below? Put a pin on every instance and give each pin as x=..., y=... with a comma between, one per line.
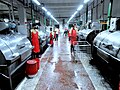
x=44, y=9
x=80, y=7
x=6, y=20
x=85, y=1
x=36, y=21
x=75, y=13
x=36, y=2
x=72, y=16
x=48, y=13
x=54, y=19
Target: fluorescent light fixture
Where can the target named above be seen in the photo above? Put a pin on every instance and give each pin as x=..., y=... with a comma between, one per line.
x=6, y=20
x=44, y=9
x=51, y=16
x=75, y=13
x=36, y=21
x=72, y=16
x=80, y=7
x=48, y=13
x=85, y=1
x=54, y=19
x=36, y=2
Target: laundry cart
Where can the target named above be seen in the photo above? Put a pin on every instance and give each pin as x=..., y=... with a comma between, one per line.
x=82, y=50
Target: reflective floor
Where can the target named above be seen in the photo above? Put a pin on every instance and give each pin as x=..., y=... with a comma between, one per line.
x=59, y=70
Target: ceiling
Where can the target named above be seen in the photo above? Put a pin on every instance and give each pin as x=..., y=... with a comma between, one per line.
x=61, y=9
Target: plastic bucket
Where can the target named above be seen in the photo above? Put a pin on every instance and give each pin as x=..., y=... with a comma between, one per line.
x=31, y=68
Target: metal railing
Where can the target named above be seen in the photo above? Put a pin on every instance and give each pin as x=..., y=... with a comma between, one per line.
x=82, y=49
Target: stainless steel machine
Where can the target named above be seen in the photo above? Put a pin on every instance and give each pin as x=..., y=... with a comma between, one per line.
x=15, y=50
x=83, y=34
x=106, y=53
x=107, y=46
x=89, y=34
x=43, y=38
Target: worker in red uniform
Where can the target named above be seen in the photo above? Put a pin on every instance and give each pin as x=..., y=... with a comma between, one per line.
x=51, y=37
x=35, y=41
x=73, y=38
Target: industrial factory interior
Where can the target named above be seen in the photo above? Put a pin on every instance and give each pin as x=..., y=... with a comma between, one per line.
x=59, y=44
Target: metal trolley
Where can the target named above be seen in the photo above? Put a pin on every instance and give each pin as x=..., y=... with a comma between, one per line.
x=82, y=49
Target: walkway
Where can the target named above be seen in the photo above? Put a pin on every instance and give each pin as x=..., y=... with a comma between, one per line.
x=59, y=72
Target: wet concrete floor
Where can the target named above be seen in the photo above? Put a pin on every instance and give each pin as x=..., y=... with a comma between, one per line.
x=61, y=71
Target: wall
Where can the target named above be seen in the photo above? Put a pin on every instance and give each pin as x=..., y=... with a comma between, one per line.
x=116, y=8
x=97, y=10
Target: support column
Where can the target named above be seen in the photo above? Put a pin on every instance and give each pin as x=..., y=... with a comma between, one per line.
x=50, y=22
x=103, y=9
x=109, y=13
x=44, y=20
x=9, y=7
x=32, y=12
x=86, y=13
x=40, y=18
x=92, y=18
x=11, y=1
x=22, y=28
x=22, y=14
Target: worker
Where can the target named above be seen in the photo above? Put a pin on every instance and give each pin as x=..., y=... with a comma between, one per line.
x=65, y=31
x=35, y=41
x=51, y=37
x=73, y=38
x=57, y=31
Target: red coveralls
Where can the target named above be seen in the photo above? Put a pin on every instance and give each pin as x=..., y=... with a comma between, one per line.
x=51, y=38
x=73, y=39
x=35, y=42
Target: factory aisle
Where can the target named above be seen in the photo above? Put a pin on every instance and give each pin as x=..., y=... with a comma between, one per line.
x=60, y=72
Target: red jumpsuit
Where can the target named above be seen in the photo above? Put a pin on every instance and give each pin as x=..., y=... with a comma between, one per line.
x=73, y=37
x=51, y=38
x=35, y=42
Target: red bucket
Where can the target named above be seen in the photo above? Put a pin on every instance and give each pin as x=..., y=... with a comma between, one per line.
x=31, y=67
